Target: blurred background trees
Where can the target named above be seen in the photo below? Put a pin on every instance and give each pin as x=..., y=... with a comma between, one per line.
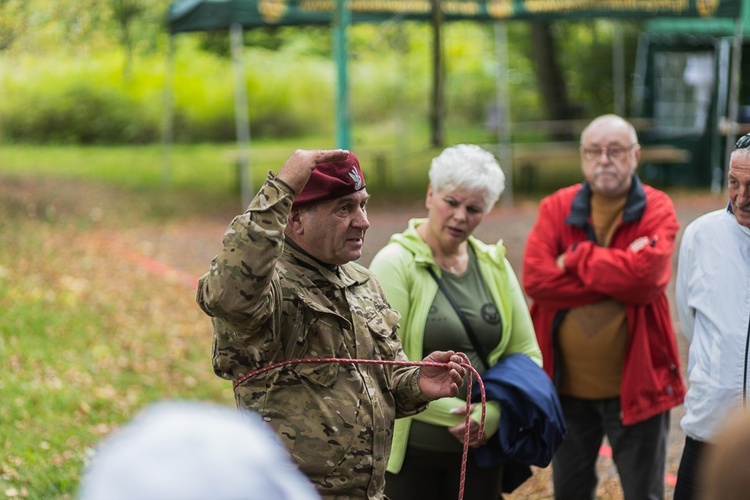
x=93, y=72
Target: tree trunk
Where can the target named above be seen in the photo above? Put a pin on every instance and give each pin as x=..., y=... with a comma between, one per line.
x=437, y=111
x=125, y=11
x=549, y=77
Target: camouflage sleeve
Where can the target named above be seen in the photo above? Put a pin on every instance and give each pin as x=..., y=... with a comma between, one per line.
x=404, y=380
x=410, y=399
x=238, y=285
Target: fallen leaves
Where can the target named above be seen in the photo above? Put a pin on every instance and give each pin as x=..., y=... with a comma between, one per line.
x=88, y=335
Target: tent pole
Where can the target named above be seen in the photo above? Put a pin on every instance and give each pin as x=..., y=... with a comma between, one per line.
x=618, y=69
x=722, y=85
x=504, y=151
x=639, y=79
x=734, y=90
x=241, y=115
x=340, y=39
x=167, y=133
x=437, y=113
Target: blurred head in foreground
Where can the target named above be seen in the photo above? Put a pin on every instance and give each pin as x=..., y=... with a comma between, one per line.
x=724, y=473
x=191, y=450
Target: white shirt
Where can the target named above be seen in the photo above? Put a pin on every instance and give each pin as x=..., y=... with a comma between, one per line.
x=713, y=303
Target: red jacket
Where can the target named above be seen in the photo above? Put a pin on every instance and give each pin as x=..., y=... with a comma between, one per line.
x=651, y=381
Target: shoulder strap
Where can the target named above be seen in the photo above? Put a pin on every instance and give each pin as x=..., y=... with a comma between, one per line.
x=464, y=321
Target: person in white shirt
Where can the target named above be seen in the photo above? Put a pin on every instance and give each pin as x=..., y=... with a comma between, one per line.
x=193, y=450
x=713, y=304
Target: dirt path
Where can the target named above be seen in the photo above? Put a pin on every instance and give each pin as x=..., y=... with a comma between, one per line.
x=190, y=247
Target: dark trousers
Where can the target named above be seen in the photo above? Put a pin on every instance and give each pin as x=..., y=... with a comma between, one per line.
x=435, y=476
x=687, y=486
x=639, y=451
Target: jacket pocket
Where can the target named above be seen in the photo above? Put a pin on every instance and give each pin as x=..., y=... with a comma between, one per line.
x=320, y=336
x=383, y=325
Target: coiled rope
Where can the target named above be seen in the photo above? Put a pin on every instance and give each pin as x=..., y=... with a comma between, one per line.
x=352, y=361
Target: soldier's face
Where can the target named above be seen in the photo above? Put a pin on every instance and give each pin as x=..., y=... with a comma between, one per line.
x=333, y=231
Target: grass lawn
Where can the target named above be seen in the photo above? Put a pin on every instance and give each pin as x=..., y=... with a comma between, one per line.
x=87, y=338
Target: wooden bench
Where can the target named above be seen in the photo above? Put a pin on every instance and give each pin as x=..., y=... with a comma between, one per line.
x=569, y=153
x=574, y=127
x=528, y=159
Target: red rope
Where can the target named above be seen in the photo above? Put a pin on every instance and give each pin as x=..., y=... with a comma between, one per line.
x=466, y=364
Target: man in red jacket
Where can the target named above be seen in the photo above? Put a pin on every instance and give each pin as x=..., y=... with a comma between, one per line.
x=596, y=266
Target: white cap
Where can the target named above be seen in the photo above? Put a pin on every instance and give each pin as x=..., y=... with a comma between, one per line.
x=192, y=450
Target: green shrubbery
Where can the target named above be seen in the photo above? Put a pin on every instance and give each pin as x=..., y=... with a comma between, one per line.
x=79, y=113
x=98, y=99
x=75, y=101
x=92, y=102
x=95, y=95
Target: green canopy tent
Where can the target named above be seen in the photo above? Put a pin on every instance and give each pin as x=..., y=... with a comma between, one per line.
x=690, y=74
x=236, y=15
x=201, y=15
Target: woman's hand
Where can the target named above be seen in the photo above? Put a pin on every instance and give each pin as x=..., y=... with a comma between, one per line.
x=459, y=431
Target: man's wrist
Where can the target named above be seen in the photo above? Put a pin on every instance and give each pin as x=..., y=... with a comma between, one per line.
x=417, y=389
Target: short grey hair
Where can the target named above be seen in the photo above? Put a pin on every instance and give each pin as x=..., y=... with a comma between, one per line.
x=467, y=166
x=743, y=153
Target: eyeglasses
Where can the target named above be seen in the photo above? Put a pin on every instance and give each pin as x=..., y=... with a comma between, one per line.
x=743, y=142
x=613, y=153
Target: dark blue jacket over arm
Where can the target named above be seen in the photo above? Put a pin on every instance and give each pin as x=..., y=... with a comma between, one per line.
x=532, y=425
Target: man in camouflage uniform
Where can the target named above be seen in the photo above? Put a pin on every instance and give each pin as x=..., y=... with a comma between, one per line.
x=283, y=287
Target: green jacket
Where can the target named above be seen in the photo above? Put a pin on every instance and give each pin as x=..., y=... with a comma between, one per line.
x=270, y=303
x=401, y=267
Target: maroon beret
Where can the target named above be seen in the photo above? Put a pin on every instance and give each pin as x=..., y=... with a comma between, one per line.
x=332, y=180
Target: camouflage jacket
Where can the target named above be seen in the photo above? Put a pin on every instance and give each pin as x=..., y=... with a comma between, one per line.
x=271, y=302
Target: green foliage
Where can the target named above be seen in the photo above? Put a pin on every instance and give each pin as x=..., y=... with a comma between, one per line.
x=81, y=27
x=68, y=101
x=94, y=73
x=586, y=53
x=288, y=95
x=290, y=79
x=470, y=67
x=82, y=114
